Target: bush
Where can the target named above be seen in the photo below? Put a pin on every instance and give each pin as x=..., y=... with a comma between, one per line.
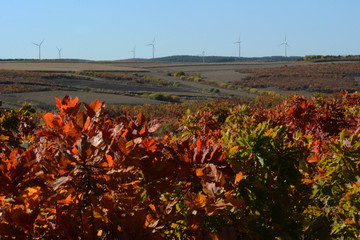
x=288, y=172
x=164, y=97
x=179, y=74
x=214, y=90
x=197, y=79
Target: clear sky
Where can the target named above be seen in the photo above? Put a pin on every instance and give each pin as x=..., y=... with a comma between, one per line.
x=109, y=29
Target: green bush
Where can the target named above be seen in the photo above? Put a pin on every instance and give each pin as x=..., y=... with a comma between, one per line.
x=179, y=74
x=197, y=79
x=214, y=90
x=164, y=97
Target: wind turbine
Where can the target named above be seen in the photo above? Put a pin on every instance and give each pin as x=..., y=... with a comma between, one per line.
x=133, y=51
x=285, y=46
x=59, y=49
x=39, y=45
x=239, y=42
x=153, y=46
x=203, y=56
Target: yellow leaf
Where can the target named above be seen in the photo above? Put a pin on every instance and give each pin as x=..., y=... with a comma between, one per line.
x=4, y=138
x=32, y=190
x=97, y=215
x=100, y=233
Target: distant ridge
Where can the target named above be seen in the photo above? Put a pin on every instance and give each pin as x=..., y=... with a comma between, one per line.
x=215, y=59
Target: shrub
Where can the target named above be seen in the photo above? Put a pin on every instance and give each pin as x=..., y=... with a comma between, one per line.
x=197, y=79
x=179, y=73
x=164, y=97
x=214, y=90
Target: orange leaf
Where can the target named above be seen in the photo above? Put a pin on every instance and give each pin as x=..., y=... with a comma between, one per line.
x=196, y=201
x=67, y=200
x=199, y=172
x=238, y=177
x=58, y=102
x=73, y=102
x=150, y=221
x=313, y=158
x=141, y=119
x=70, y=130
x=110, y=160
x=96, y=105
x=87, y=124
x=143, y=130
x=152, y=207
x=49, y=117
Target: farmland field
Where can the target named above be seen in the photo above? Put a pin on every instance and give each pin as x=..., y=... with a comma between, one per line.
x=119, y=82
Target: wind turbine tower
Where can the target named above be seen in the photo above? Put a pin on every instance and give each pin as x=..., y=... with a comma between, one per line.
x=39, y=45
x=239, y=42
x=203, y=56
x=153, y=47
x=59, y=50
x=285, y=46
x=133, y=51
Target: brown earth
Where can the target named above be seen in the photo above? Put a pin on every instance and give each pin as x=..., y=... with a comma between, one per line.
x=131, y=92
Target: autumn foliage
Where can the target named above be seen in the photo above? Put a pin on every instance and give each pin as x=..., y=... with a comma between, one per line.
x=289, y=172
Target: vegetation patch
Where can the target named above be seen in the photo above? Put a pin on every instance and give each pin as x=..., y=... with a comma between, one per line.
x=290, y=171
x=327, y=78
x=14, y=81
x=164, y=97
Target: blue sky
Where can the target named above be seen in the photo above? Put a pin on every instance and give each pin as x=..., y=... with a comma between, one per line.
x=109, y=29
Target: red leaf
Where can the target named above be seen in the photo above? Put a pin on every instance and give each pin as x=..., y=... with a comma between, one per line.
x=149, y=144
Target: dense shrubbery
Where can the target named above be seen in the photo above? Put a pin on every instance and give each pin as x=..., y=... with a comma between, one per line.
x=287, y=172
